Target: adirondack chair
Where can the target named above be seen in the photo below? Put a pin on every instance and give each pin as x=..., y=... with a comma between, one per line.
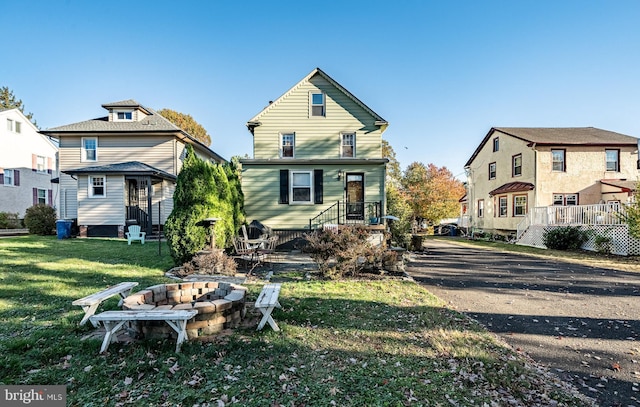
x=134, y=233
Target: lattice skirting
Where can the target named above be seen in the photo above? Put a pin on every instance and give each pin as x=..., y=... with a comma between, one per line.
x=621, y=243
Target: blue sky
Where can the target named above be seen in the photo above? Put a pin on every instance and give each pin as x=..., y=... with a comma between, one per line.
x=441, y=73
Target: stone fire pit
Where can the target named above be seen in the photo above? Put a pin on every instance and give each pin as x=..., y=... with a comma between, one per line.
x=219, y=305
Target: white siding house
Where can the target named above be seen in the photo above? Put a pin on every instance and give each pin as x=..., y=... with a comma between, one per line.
x=27, y=164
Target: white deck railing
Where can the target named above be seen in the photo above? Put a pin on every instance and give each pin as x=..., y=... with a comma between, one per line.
x=600, y=214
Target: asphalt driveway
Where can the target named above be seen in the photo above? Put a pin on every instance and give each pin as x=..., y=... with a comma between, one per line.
x=582, y=322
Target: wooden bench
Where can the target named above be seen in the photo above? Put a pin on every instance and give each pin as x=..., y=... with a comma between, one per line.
x=267, y=301
x=91, y=302
x=113, y=321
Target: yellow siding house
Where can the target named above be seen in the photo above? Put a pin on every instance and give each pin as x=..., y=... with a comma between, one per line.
x=514, y=170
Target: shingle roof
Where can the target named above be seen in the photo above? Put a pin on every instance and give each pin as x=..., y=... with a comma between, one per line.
x=567, y=135
x=512, y=187
x=153, y=122
x=559, y=136
x=130, y=168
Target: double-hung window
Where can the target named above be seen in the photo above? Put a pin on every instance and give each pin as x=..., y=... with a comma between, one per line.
x=519, y=205
x=558, y=161
x=89, y=149
x=496, y=144
x=14, y=126
x=9, y=177
x=41, y=164
x=41, y=196
x=97, y=186
x=317, y=104
x=287, y=145
x=492, y=171
x=516, y=162
x=301, y=187
x=480, y=208
x=613, y=160
x=348, y=145
x=502, y=209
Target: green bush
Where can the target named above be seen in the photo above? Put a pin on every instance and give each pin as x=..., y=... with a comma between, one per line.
x=9, y=220
x=565, y=238
x=40, y=219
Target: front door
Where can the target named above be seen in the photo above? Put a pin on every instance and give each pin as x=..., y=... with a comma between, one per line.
x=355, y=196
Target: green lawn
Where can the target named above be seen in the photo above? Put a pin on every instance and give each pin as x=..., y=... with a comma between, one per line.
x=377, y=342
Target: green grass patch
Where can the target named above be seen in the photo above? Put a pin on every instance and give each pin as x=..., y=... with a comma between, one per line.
x=382, y=342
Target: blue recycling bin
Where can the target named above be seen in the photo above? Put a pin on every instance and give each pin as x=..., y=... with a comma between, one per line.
x=63, y=228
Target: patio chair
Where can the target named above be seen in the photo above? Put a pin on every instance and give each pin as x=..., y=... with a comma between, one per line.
x=134, y=233
x=268, y=251
x=242, y=251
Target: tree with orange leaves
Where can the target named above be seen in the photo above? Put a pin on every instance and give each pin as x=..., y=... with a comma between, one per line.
x=433, y=192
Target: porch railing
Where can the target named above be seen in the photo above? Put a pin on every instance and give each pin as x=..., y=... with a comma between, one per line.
x=343, y=212
x=599, y=214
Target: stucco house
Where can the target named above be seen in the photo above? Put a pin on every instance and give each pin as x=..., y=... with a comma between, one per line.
x=317, y=158
x=27, y=164
x=121, y=169
x=514, y=170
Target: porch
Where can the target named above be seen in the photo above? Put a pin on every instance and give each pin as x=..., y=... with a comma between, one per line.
x=605, y=221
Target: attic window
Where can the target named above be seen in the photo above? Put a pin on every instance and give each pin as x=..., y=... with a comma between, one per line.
x=317, y=104
x=124, y=116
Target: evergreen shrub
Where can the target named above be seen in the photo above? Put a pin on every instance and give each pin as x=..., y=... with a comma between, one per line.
x=40, y=219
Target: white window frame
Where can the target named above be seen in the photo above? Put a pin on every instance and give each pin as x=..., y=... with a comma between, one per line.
x=616, y=162
x=284, y=136
x=91, y=186
x=495, y=170
x=481, y=208
x=564, y=199
x=124, y=113
x=516, y=206
x=514, y=166
x=292, y=186
x=503, y=211
x=14, y=126
x=84, y=150
x=11, y=178
x=323, y=105
x=344, y=138
x=41, y=164
x=496, y=144
x=42, y=199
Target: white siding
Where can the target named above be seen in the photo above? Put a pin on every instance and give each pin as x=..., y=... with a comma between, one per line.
x=101, y=211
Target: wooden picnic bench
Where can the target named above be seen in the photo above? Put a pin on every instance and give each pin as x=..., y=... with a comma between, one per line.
x=91, y=302
x=267, y=301
x=113, y=321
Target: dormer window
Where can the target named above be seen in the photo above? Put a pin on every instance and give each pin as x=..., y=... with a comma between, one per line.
x=317, y=104
x=124, y=116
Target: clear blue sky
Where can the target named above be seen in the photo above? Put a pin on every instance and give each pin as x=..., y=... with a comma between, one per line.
x=441, y=73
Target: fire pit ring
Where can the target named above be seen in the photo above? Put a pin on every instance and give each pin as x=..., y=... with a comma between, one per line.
x=220, y=306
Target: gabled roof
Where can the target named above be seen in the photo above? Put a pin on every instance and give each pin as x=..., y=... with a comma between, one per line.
x=512, y=187
x=128, y=168
x=559, y=136
x=379, y=120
